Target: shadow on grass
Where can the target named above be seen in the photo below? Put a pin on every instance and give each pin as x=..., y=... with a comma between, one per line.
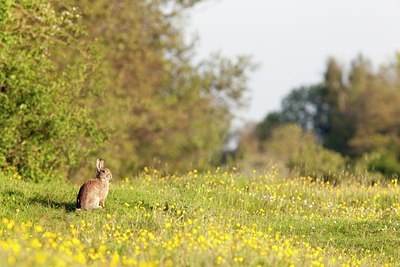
x=63, y=205
x=13, y=193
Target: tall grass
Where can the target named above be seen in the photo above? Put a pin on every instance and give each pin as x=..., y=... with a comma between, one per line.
x=214, y=218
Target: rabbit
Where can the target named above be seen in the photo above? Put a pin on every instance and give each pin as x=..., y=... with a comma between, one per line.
x=93, y=193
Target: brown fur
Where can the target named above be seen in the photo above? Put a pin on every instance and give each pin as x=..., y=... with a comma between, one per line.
x=93, y=193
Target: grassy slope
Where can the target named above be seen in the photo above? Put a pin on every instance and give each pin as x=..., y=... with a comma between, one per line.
x=201, y=220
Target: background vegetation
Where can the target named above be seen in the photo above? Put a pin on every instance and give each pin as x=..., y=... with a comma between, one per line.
x=43, y=121
x=119, y=80
x=347, y=123
x=115, y=79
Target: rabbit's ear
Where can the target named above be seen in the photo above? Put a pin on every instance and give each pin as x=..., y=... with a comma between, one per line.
x=99, y=164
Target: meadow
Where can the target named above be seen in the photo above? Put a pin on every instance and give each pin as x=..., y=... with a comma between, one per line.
x=218, y=218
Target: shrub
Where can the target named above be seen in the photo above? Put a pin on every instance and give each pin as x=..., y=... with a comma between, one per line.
x=300, y=151
x=43, y=126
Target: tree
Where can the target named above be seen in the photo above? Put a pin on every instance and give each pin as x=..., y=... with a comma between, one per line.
x=265, y=127
x=163, y=109
x=308, y=107
x=353, y=113
x=43, y=129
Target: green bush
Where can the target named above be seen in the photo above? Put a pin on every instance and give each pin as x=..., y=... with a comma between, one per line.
x=386, y=162
x=44, y=129
x=300, y=152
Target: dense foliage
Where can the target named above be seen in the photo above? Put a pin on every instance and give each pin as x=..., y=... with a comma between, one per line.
x=43, y=127
x=163, y=109
x=129, y=75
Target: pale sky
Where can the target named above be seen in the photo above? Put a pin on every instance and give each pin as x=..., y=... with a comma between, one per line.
x=292, y=39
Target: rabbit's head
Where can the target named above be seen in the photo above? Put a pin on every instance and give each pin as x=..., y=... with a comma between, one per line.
x=102, y=173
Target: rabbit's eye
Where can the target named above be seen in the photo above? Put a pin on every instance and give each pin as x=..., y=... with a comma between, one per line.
x=102, y=171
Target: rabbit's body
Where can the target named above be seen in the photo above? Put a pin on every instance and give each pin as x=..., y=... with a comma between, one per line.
x=93, y=193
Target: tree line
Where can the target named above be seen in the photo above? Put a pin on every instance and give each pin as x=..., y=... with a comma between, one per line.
x=347, y=121
x=83, y=79
x=110, y=79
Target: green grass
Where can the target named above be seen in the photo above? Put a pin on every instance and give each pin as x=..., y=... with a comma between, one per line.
x=201, y=220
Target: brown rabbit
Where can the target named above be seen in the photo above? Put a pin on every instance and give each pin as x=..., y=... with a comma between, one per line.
x=93, y=193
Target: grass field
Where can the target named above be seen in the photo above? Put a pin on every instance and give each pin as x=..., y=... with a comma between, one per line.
x=216, y=218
